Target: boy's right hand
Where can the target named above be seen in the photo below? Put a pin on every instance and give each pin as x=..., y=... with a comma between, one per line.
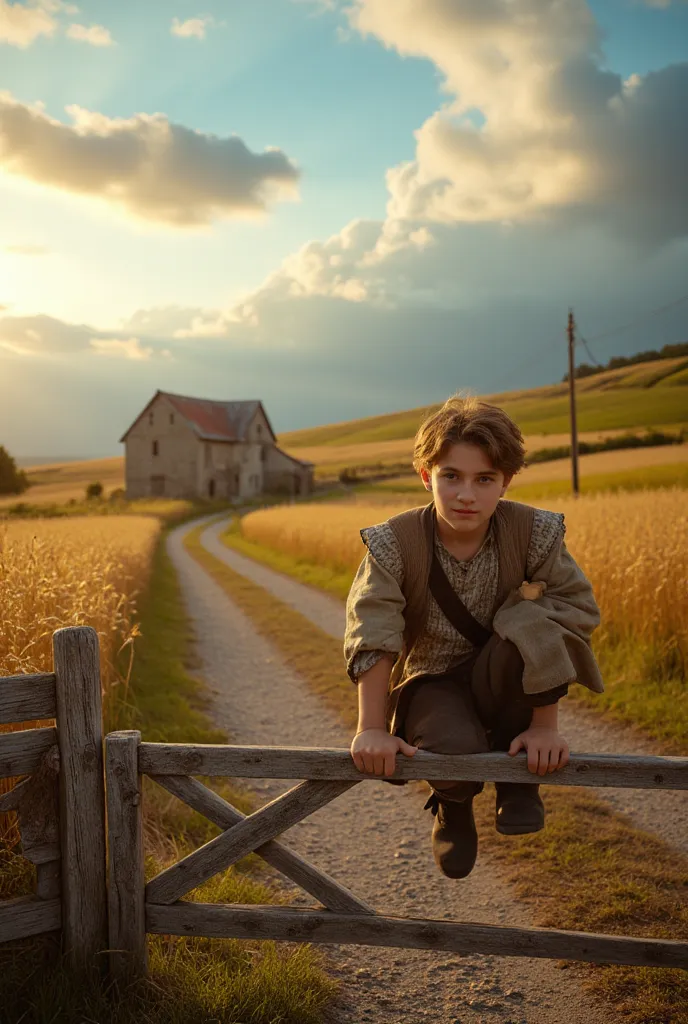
x=374, y=751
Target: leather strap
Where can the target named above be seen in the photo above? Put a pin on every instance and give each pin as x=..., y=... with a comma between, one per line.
x=454, y=608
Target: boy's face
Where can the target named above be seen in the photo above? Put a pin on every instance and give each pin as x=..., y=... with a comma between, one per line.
x=466, y=487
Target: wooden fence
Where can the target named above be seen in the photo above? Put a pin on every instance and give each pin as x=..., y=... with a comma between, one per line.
x=61, y=805
x=118, y=921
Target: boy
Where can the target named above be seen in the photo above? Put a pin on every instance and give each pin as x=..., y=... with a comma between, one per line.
x=466, y=621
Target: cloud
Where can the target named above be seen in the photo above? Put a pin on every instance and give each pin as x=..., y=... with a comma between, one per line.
x=192, y=28
x=123, y=348
x=27, y=250
x=46, y=335
x=155, y=169
x=94, y=35
x=21, y=24
x=534, y=126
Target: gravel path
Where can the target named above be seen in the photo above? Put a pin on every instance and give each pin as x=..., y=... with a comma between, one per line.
x=376, y=840
x=664, y=813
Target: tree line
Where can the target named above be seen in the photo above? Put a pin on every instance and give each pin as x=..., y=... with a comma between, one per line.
x=666, y=352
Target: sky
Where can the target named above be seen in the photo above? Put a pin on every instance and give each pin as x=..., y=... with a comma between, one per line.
x=340, y=207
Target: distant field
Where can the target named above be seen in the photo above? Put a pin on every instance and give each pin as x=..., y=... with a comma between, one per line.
x=329, y=460
x=62, y=481
x=646, y=394
x=560, y=469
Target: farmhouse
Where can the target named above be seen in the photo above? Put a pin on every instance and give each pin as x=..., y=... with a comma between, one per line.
x=181, y=447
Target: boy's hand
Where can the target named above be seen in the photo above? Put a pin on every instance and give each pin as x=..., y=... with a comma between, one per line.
x=374, y=751
x=546, y=748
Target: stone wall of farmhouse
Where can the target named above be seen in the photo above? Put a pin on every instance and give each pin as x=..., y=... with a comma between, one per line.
x=284, y=475
x=161, y=454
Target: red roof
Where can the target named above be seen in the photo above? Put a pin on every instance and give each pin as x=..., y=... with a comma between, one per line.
x=213, y=420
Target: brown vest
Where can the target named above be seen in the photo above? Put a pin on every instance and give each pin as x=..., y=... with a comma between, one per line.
x=415, y=534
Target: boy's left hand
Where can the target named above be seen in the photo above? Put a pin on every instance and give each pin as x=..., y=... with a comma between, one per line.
x=546, y=748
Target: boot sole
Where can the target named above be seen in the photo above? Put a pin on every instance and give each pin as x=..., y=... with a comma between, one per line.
x=518, y=830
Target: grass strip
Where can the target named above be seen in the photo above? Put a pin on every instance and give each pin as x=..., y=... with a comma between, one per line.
x=191, y=981
x=655, y=707
x=590, y=870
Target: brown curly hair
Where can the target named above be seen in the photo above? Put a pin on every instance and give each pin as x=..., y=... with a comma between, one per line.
x=468, y=420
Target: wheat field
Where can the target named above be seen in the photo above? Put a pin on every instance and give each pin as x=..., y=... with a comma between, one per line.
x=633, y=547
x=70, y=572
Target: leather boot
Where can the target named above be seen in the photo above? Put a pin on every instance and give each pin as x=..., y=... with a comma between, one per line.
x=454, y=835
x=518, y=808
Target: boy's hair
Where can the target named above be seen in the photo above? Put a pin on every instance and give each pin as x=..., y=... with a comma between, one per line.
x=470, y=421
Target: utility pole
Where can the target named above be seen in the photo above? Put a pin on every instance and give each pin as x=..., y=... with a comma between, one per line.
x=571, y=331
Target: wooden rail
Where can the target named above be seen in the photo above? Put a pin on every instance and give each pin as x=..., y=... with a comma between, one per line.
x=159, y=908
x=610, y=770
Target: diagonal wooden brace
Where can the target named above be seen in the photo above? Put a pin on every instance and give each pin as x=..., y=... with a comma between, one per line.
x=331, y=894
x=255, y=830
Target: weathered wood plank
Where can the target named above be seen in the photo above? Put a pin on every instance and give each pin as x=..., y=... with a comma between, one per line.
x=297, y=925
x=82, y=795
x=618, y=770
x=330, y=893
x=37, y=811
x=26, y=916
x=48, y=885
x=127, y=926
x=27, y=698
x=21, y=752
x=243, y=838
x=10, y=801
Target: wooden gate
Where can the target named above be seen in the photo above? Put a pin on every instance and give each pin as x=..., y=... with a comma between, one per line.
x=60, y=806
x=158, y=907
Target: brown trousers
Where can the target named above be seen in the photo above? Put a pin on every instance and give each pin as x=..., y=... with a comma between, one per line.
x=476, y=707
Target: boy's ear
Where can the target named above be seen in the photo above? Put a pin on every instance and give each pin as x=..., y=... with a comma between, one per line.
x=425, y=477
x=507, y=481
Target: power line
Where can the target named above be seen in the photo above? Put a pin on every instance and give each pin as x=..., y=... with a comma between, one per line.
x=590, y=355
x=550, y=346
x=640, y=319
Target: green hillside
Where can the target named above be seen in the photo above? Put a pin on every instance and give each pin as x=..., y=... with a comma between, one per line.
x=649, y=394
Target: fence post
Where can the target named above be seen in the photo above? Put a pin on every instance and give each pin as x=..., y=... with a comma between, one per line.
x=127, y=924
x=82, y=795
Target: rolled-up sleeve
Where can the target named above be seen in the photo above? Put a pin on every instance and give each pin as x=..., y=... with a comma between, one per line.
x=374, y=617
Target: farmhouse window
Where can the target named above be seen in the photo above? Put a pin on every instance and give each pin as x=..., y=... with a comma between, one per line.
x=155, y=448
x=171, y=417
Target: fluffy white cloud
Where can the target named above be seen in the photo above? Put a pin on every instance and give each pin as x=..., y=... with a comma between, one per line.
x=155, y=169
x=21, y=24
x=192, y=28
x=94, y=35
x=534, y=126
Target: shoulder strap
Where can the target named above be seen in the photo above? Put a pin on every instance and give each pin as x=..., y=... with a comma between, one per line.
x=513, y=527
x=454, y=608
